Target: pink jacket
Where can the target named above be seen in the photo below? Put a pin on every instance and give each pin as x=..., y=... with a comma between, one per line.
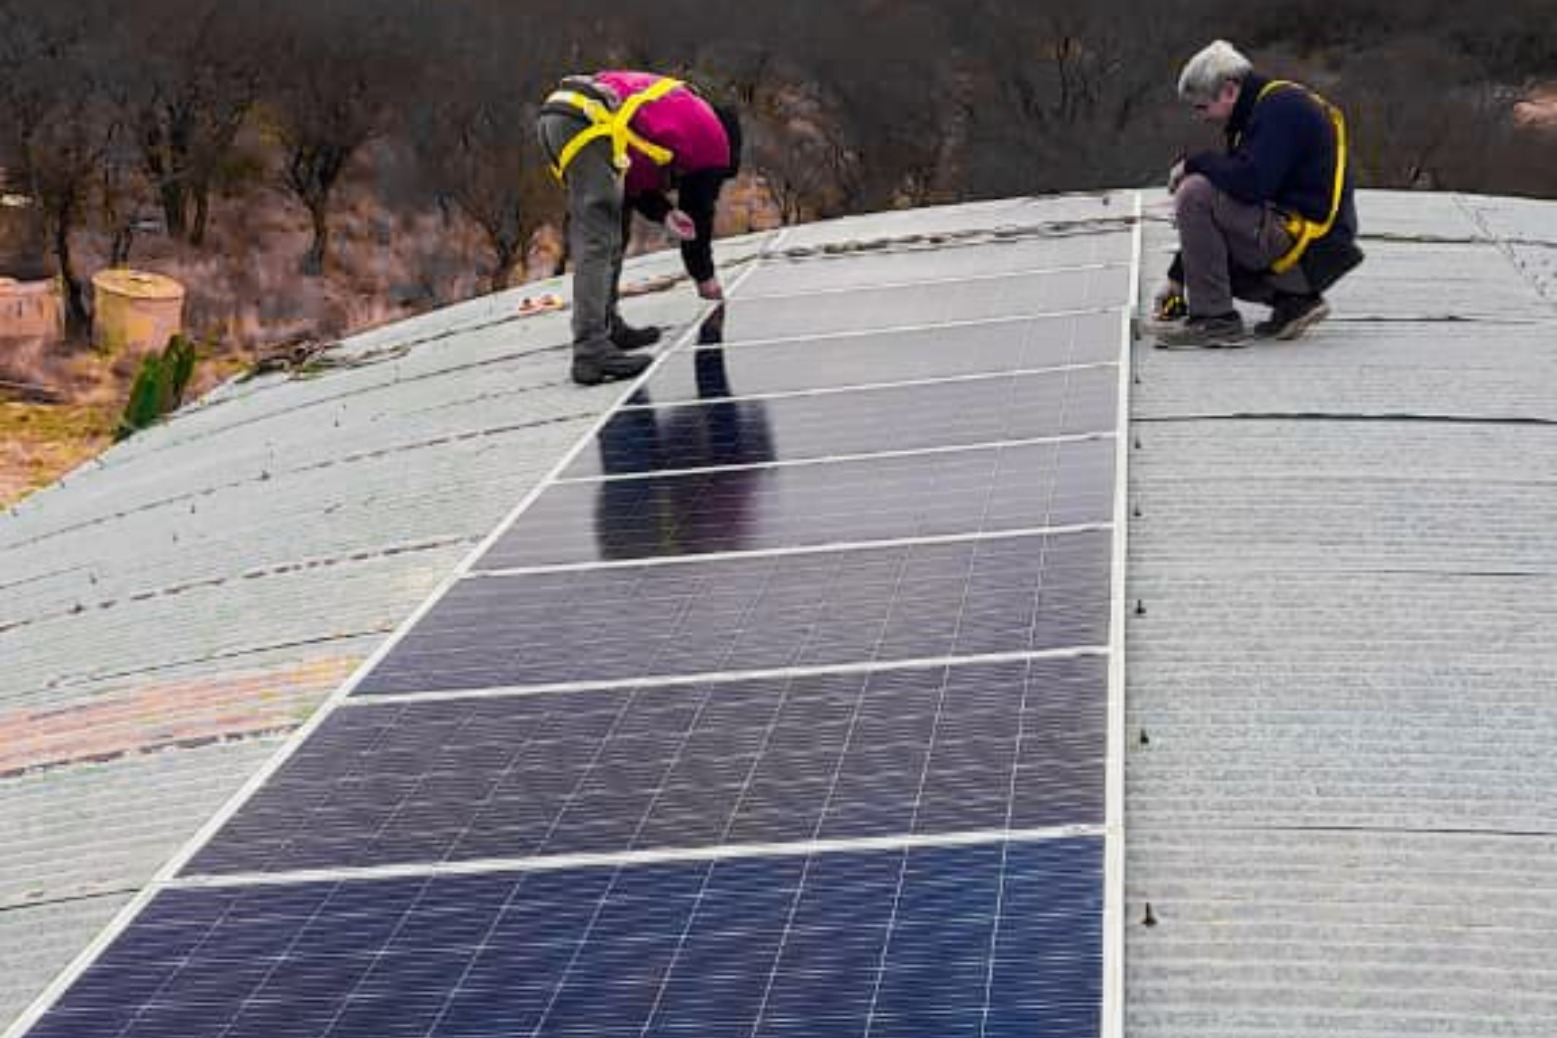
x=680, y=121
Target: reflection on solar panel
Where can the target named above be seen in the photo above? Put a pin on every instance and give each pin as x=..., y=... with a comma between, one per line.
x=790, y=707
x=725, y=432
x=981, y=490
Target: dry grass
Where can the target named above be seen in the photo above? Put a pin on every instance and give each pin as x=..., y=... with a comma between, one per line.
x=41, y=442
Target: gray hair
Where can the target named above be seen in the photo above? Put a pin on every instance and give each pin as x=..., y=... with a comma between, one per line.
x=1204, y=74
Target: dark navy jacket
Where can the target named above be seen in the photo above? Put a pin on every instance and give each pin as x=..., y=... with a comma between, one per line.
x=1280, y=151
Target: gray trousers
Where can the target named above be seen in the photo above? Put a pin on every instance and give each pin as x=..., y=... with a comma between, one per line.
x=1228, y=247
x=594, y=230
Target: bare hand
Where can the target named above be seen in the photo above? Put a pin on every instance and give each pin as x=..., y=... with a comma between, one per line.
x=1176, y=177
x=710, y=289
x=680, y=225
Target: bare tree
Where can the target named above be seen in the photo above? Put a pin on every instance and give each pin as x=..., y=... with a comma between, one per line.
x=1072, y=96
x=195, y=82
x=335, y=69
x=798, y=146
x=475, y=134
x=58, y=123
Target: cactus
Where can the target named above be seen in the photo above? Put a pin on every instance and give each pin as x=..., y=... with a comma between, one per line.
x=159, y=386
x=179, y=359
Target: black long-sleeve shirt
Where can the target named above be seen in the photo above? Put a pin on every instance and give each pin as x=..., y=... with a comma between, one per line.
x=698, y=195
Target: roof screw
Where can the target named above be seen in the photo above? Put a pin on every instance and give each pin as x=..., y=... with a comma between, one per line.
x=1145, y=739
x=1137, y=443
x=1140, y=607
x=1136, y=512
x=1151, y=919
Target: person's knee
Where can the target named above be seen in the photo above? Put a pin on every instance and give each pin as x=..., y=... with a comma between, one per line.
x=1195, y=193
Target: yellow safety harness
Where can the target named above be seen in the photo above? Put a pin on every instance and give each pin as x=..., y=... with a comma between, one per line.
x=1304, y=231
x=615, y=124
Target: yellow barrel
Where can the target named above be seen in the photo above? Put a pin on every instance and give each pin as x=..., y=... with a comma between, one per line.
x=135, y=310
x=31, y=310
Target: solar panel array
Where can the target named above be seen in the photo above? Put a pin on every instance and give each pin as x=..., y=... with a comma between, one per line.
x=787, y=707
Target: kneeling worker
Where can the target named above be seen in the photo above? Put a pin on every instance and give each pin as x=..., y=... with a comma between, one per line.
x=1271, y=220
x=620, y=137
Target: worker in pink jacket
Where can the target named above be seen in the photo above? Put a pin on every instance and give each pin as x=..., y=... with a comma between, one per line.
x=627, y=138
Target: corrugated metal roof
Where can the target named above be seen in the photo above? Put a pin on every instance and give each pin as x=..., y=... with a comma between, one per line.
x=1341, y=802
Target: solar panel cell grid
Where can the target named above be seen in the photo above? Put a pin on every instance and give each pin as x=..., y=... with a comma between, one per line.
x=1010, y=488
x=1017, y=345
x=870, y=309
x=900, y=603
x=994, y=746
x=1002, y=937
x=899, y=418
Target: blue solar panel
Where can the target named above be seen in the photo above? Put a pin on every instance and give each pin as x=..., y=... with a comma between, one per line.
x=1003, y=488
x=1015, y=745
x=1030, y=344
x=999, y=939
x=1030, y=593
x=897, y=418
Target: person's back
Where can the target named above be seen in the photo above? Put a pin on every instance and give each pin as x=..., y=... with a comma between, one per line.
x=681, y=122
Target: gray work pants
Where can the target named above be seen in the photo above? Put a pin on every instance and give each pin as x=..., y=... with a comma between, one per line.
x=595, y=229
x=1228, y=247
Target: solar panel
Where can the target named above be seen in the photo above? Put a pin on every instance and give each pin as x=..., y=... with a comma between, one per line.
x=1021, y=344
x=932, y=416
x=998, y=939
x=983, y=746
x=911, y=305
x=850, y=271
x=785, y=709
x=966, y=598
x=984, y=490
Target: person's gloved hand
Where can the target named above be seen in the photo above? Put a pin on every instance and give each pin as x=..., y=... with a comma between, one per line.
x=680, y=225
x=1169, y=304
x=1176, y=177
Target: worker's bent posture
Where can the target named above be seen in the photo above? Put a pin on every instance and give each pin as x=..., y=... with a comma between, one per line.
x=1271, y=219
x=619, y=137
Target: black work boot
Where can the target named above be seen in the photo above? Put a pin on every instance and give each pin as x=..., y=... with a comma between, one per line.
x=1223, y=331
x=1292, y=315
x=625, y=337
x=595, y=364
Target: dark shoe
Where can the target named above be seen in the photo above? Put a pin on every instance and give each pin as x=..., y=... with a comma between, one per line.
x=626, y=337
x=592, y=367
x=1291, y=316
x=1205, y=333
